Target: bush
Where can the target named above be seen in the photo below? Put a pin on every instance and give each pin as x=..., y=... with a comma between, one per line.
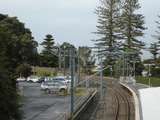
x=24, y=70
x=155, y=72
x=43, y=71
x=155, y=81
x=9, y=100
x=108, y=72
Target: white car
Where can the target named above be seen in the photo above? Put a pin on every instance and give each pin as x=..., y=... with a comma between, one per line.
x=68, y=79
x=33, y=79
x=51, y=86
x=21, y=79
x=60, y=79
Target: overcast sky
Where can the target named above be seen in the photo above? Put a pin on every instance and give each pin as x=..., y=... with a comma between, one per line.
x=69, y=20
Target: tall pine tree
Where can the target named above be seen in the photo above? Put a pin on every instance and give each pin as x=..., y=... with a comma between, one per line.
x=157, y=36
x=132, y=26
x=154, y=49
x=108, y=28
x=48, y=57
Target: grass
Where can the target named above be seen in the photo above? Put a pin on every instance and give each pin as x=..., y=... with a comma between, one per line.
x=44, y=71
x=155, y=82
x=81, y=92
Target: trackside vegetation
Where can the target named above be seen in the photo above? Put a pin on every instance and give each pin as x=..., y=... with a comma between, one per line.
x=154, y=81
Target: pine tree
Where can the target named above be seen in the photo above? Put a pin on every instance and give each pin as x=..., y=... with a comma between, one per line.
x=48, y=44
x=132, y=26
x=108, y=27
x=48, y=57
x=157, y=36
x=154, y=48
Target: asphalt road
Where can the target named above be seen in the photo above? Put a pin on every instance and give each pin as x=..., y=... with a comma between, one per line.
x=38, y=105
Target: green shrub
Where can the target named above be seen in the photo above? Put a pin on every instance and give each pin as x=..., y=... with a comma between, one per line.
x=44, y=71
x=24, y=70
x=155, y=81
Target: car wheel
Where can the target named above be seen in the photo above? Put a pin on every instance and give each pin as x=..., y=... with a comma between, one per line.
x=30, y=81
x=63, y=91
x=47, y=91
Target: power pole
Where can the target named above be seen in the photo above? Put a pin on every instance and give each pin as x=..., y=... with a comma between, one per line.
x=149, y=81
x=101, y=77
x=72, y=68
x=79, y=69
x=60, y=59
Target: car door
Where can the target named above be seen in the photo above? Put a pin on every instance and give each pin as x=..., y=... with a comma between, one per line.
x=56, y=86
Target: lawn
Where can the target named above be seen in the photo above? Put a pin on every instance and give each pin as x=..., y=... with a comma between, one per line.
x=155, y=82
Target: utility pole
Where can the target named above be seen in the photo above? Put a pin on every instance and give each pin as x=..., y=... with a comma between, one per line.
x=149, y=74
x=64, y=64
x=101, y=77
x=123, y=65
x=79, y=69
x=60, y=59
x=72, y=68
x=134, y=67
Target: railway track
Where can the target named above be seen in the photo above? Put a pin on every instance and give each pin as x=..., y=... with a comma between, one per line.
x=124, y=107
x=117, y=104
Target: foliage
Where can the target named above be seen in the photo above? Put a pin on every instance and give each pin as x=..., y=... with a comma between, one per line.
x=157, y=36
x=154, y=49
x=48, y=57
x=108, y=28
x=132, y=26
x=87, y=60
x=43, y=71
x=65, y=52
x=24, y=70
x=148, y=61
x=20, y=45
x=155, y=81
x=155, y=71
x=139, y=67
x=17, y=47
x=9, y=107
x=108, y=72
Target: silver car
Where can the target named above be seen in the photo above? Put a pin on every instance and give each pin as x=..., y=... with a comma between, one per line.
x=54, y=87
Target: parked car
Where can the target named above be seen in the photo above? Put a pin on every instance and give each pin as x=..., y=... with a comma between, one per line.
x=65, y=79
x=48, y=79
x=33, y=79
x=68, y=79
x=20, y=79
x=41, y=79
x=60, y=79
x=54, y=86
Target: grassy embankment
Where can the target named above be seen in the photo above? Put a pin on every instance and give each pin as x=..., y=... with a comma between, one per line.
x=155, y=82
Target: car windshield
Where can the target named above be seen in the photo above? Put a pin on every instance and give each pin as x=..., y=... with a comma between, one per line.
x=53, y=82
x=59, y=79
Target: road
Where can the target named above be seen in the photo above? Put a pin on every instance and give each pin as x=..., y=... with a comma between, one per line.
x=37, y=105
